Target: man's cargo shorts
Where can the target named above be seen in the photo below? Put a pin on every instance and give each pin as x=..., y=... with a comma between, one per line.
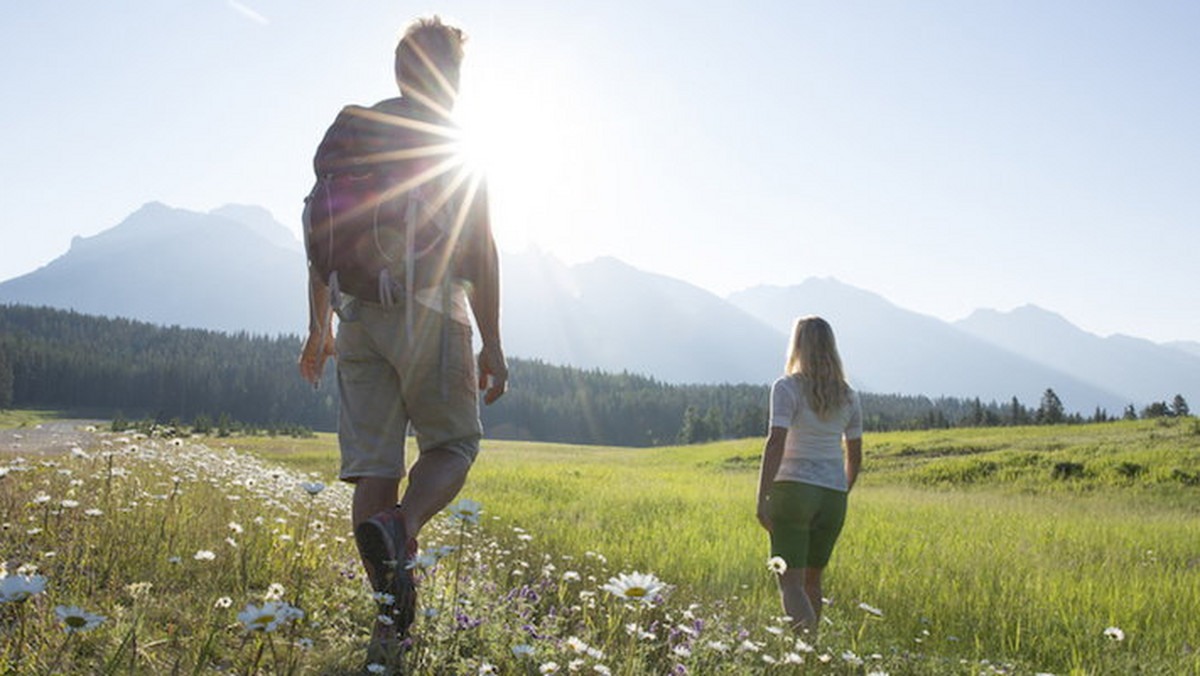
x=387, y=379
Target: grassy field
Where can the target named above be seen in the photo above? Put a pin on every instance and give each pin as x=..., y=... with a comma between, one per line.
x=23, y=418
x=1017, y=543
x=985, y=551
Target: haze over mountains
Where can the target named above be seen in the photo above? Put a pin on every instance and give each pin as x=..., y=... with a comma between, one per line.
x=237, y=269
x=232, y=269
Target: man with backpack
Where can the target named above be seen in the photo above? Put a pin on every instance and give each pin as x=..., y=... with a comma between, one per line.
x=399, y=244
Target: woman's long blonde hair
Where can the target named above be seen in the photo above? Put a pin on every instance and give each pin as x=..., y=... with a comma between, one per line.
x=813, y=357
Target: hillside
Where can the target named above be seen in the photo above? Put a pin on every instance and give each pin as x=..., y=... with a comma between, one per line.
x=228, y=270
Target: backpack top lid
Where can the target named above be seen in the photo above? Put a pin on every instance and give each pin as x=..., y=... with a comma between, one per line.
x=387, y=136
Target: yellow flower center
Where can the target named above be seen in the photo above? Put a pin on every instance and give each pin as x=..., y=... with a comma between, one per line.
x=75, y=621
x=635, y=592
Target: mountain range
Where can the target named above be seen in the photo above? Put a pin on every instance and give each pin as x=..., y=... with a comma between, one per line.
x=232, y=269
x=237, y=269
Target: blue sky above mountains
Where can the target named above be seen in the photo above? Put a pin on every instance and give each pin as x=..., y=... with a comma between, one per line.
x=948, y=155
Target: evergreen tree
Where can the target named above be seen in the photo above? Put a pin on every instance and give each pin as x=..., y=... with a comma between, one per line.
x=692, y=427
x=714, y=426
x=750, y=421
x=1051, y=410
x=1017, y=412
x=1130, y=413
x=1158, y=409
x=6, y=379
x=61, y=360
x=1179, y=405
x=977, y=416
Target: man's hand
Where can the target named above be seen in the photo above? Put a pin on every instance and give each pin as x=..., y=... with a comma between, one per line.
x=764, y=514
x=493, y=373
x=314, y=354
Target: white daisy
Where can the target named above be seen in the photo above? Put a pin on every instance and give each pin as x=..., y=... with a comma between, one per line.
x=1115, y=634
x=275, y=592
x=312, y=487
x=467, y=510
x=424, y=561
x=268, y=616
x=75, y=619
x=635, y=586
x=14, y=588
x=777, y=565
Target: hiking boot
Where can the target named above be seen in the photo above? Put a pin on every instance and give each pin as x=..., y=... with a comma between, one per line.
x=383, y=543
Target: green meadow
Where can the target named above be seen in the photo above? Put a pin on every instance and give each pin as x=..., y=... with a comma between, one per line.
x=1063, y=550
x=990, y=543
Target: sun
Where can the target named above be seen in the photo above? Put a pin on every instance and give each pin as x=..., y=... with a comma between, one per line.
x=518, y=138
x=511, y=135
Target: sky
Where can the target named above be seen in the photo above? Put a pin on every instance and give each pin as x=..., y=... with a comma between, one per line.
x=946, y=155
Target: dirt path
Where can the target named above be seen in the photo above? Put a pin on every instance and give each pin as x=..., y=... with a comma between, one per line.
x=48, y=438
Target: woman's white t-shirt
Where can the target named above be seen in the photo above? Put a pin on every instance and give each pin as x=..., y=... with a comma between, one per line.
x=812, y=452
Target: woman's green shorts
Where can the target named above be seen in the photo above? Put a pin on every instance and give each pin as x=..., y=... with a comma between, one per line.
x=805, y=523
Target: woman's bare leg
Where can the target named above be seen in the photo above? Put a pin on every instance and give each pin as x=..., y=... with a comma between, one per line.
x=812, y=590
x=796, y=601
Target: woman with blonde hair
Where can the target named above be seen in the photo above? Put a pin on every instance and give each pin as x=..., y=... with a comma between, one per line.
x=807, y=472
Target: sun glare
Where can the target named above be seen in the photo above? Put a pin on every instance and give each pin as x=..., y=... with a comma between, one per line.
x=516, y=137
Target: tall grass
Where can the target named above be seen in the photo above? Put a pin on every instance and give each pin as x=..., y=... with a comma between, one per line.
x=962, y=576
x=965, y=572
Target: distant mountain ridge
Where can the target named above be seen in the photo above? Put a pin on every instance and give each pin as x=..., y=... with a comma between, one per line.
x=1188, y=346
x=224, y=270
x=237, y=269
x=607, y=314
x=887, y=349
x=1136, y=367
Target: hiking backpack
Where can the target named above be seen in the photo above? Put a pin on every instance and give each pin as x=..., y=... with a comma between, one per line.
x=379, y=220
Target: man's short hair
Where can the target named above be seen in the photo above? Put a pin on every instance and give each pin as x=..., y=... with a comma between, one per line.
x=426, y=42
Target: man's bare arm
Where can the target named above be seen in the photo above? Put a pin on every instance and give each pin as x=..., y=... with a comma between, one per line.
x=319, y=344
x=485, y=305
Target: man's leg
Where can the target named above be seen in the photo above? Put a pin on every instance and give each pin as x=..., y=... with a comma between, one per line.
x=433, y=482
x=371, y=496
